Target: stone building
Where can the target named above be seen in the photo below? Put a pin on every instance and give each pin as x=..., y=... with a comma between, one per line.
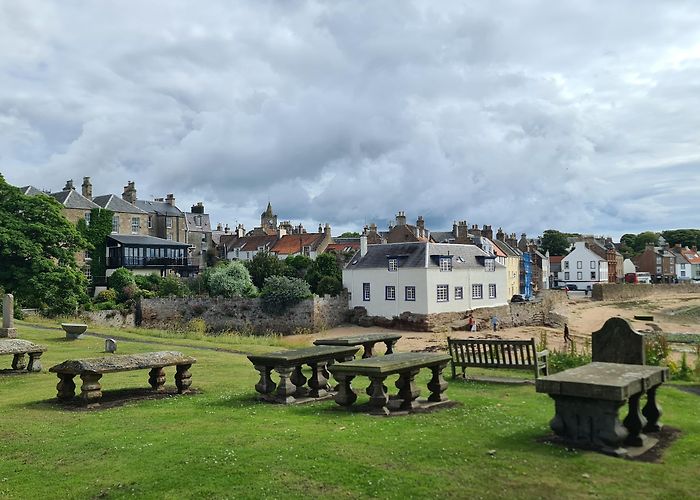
x=199, y=234
x=164, y=220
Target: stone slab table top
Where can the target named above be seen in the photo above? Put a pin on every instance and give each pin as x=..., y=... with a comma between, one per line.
x=294, y=357
x=388, y=365
x=603, y=381
x=123, y=362
x=18, y=346
x=359, y=339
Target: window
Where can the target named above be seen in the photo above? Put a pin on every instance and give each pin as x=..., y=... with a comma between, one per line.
x=115, y=224
x=135, y=225
x=170, y=236
x=489, y=265
x=445, y=264
x=365, y=292
x=459, y=293
x=410, y=293
x=566, y=264
x=579, y=275
x=150, y=222
x=592, y=264
x=198, y=220
x=579, y=264
x=393, y=264
x=169, y=222
x=390, y=292
x=592, y=275
x=566, y=276
x=682, y=274
x=477, y=291
x=658, y=269
x=88, y=273
x=682, y=266
x=492, y=290
x=443, y=293
x=306, y=250
x=87, y=218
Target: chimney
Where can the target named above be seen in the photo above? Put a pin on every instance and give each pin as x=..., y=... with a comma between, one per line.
x=198, y=208
x=522, y=243
x=401, y=219
x=226, y=229
x=69, y=185
x=170, y=199
x=327, y=230
x=475, y=230
x=500, y=235
x=363, y=245
x=420, y=225
x=455, y=229
x=87, y=188
x=281, y=231
x=320, y=228
x=219, y=227
x=487, y=232
x=129, y=193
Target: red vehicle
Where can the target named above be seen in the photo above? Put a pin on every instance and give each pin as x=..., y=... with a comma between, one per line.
x=631, y=278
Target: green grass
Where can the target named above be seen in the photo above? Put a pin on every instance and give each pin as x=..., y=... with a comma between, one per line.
x=222, y=444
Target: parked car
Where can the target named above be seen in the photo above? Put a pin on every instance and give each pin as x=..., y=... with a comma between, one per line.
x=571, y=287
x=517, y=298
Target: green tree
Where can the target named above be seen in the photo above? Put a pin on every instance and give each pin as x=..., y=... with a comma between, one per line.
x=350, y=234
x=325, y=266
x=230, y=279
x=121, y=280
x=37, y=253
x=329, y=285
x=642, y=239
x=282, y=292
x=263, y=265
x=96, y=233
x=298, y=265
x=686, y=237
x=555, y=242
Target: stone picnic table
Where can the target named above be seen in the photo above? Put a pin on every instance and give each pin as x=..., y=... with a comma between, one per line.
x=288, y=366
x=406, y=365
x=366, y=341
x=91, y=370
x=20, y=348
x=587, y=400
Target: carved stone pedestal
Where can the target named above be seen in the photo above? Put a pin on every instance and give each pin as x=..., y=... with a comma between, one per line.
x=183, y=378
x=91, y=390
x=156, y=378
x=65, y=386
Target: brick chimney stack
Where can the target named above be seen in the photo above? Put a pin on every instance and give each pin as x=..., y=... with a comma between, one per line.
x=420, y=226
x=129, y=193
x=198, y=208
x=401, y=219
x=500, y=235
x=475, y=230
x=87, y=188
x=69, y=185
x=487, y=232
x=170, y=199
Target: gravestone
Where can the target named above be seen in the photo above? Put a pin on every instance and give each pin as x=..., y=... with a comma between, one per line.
x=8, y=329
x=617, y=342
x=110, y=345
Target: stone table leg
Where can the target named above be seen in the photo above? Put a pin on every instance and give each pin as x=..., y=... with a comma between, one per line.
x=652, y=412
x=634, y=422
x=265, y=385
x=326, y=374
x=318, y=382
x=286, y=388
x=19, y=361
x=367, y=352
x=346, y=396
x=65, y=386
x=408, y=391
x=34, y=362
x=183, y=378
x=299, y=380
x=156, y=377
x=378, y=397
x=389, y=346
x=91, y=390
x=437, y=385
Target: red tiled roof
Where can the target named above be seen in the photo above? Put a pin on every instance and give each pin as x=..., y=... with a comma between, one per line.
x=290, y=244
x=692, y=256
x=555, y=259
x=342, y=247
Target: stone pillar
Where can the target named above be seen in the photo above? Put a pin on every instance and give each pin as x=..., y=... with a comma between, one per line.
x=8, y=317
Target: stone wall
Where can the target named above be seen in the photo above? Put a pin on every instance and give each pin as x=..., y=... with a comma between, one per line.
x=109, y=318
x=242, y=315
x=534, y=313
x=612, y=291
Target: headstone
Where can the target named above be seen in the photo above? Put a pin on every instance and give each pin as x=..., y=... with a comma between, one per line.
x=617, y=342
x=8, y=317
x=110, y=345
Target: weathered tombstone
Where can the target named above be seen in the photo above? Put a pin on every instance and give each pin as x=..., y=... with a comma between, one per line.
x=8, y=317
x=110, y=345
x=617, y=342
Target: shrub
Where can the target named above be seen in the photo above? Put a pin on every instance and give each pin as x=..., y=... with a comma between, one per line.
x=197, y=325
x=150, y=282
x=329, y=285
x=563, y=360
x=119, y=280
x=171, y=286
x=106, y=296
x=684, y=372
x=656, y=349
x=230, y=279
x=282, y=292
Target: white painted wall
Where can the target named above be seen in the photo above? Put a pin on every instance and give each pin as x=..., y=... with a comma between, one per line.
x=581, y=254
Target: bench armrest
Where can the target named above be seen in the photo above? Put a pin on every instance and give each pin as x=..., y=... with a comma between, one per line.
x=543, y=354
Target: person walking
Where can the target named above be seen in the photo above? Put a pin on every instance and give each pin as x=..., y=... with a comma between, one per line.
x=567, y=337
x=470, y=323
x=494, y=322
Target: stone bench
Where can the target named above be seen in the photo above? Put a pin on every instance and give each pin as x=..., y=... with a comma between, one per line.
x=91, y=370
x=288, y=365
x=497, y=353
x=20, y=349
x=406, y=365
x=366, y=341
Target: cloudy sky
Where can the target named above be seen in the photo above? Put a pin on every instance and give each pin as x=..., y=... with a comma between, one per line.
x=580, y=116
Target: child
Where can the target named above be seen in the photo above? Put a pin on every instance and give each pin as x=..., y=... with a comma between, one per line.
x=567, y=337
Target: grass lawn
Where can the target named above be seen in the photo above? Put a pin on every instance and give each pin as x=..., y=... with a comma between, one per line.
x=222, y=443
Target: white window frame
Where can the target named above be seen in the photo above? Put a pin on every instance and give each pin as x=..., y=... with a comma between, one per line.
x=477, y=291
x=135, y=225
x=445, y=264
x=579, y=264
x=115, y=224
x=492, y=290
x=489, y=265
x=579, y=275
x=150, y=222
x=442, y=293
x=459, y=293
x=592, y=264
x=566, y=264
x=389, y=292
x=169, y=222
x=566, y=276
x=87, y=218
x=393, y=265
x=410, y=294
x=366, y=292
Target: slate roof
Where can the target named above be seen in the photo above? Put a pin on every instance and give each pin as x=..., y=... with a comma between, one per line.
x=31, y=191
x=413, y=255
x=205, y=227
x=158, y=208
x=133, y=239
x=506, y=248
x=442, y=236
x=293, y=243
x=116, y=204
x=73, y=199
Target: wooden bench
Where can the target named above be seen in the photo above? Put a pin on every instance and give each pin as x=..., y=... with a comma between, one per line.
x=20, y=348
x=496, y=353
x=406, y=365
x=91, y=370
x=288, y=365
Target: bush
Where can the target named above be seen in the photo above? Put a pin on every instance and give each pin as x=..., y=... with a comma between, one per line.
x=282, y=292
x=150, y=282
x=121, y=279
x=105, y=306
x=656, y=349
x=563, y=360
x=329, y=285
x=106, y=296
x=230, y=279
x=171, y=286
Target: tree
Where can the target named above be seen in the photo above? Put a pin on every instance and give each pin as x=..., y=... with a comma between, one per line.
x=282, y=292
x=96, y=233
x=37, y=253
x=555, y=242
x=325, y=266
x=686, y=237
x=263, y=265
x=642, y=239
x=350, y=234
x=121, y=280
x=230, y=279
x=298, y=265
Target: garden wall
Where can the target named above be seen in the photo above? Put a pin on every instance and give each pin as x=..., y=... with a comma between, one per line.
x=109, y=318
x=242, y=315
x=613, y=291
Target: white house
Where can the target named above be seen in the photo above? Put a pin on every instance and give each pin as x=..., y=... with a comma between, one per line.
x=423, y=278
x=583, y=267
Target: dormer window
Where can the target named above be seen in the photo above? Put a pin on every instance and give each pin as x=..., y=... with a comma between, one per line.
x=445, y=264
x=393, y=264
x=489, y=265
